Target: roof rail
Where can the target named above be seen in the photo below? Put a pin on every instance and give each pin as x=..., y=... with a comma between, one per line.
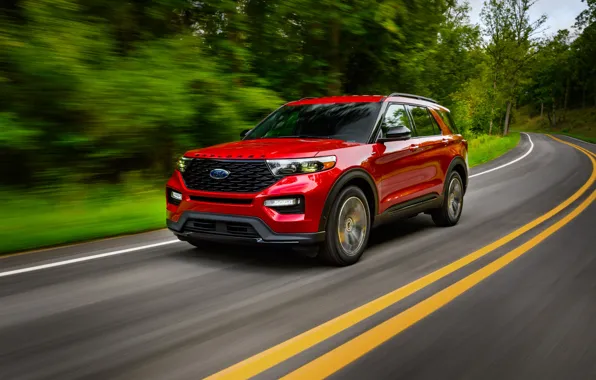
x=308, y=97
x=413, y=96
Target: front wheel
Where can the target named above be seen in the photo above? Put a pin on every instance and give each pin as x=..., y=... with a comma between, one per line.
x=453, y=202
x=348, y=228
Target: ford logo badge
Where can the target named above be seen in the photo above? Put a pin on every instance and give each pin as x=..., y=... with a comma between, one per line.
x=219, y=174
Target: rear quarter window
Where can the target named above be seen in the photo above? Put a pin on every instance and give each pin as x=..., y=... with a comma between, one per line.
x=448, y=120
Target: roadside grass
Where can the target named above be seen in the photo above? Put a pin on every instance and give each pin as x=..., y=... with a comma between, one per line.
x=32, y=221
x=578, y=123
x=485, y=148
x=42, y=219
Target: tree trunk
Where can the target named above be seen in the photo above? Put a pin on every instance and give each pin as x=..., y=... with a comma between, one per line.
x=507, y=117
x=492, y=109
x=334, y=86
x=541, y=110
x=554, y=119
x=490, y=126
x=233, y=36
x=566, y=99
x=584, y=88
x=307, y=67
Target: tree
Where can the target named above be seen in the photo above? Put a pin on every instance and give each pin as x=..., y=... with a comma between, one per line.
x=511, y=47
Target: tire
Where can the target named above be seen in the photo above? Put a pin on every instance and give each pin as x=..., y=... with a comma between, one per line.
x=348, y=228
x=453, y=202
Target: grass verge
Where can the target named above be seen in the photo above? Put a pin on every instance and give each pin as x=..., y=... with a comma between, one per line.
x=45, y=219
x=36, y=221
x=577, y=123
x=485, y=148
x=580, y=137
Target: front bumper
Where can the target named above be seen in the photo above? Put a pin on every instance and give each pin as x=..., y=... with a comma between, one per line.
x=313, y=188
x=235, y=229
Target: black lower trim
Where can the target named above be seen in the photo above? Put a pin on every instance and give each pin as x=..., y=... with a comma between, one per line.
x=233, y=201
x=264, y=234
x=410, y=208
x=413, y=203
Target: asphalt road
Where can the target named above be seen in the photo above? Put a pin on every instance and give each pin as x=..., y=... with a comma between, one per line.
x=175, y=312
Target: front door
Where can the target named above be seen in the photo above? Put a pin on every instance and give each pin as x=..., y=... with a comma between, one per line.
x=398, y=171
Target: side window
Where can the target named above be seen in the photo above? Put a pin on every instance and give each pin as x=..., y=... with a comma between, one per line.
x=422, y=122
x=448, y=120
x=435, y=124
x=396, y=116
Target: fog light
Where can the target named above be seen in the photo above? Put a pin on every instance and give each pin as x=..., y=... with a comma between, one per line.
x=176, y=196
x=282, y=202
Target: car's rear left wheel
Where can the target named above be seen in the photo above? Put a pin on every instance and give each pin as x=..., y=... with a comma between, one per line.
x=348, y=228
x=453, y=202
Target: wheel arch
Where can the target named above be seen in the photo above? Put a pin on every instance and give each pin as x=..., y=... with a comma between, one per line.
x=353, y=177
x=458, y=164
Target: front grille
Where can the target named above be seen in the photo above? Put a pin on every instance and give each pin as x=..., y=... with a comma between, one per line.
x=245, y=176
x=221, y=228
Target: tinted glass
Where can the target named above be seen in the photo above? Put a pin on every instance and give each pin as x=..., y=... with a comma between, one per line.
x=446, y=116
x=435, y=123
x=343, y=121
x=422, y=122
x=396, y=116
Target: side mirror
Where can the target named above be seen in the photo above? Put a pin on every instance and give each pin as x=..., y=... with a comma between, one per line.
x=244, y=133
x=400, y=132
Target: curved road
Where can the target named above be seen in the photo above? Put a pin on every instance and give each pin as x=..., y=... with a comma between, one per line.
x=524, y=309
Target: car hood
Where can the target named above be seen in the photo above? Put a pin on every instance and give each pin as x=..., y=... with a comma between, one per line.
x=270, y=148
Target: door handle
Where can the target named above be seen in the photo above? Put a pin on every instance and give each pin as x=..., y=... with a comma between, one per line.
x=445, y=140
x=414, y=147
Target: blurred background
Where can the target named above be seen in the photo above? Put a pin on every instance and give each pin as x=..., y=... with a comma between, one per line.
x=99, y=97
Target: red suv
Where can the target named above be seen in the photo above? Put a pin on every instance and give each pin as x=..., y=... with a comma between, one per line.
x=320, y=173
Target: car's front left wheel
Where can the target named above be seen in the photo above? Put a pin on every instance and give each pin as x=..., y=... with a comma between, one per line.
x=348, y=228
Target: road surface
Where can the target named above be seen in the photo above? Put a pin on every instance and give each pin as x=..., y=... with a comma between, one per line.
x=417, y=306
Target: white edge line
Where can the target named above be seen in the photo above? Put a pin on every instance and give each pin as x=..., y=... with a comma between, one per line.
x=82, y=259
x=509, y=163
x=581, y=141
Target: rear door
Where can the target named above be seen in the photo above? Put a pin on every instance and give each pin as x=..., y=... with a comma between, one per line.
x=453, y=142
x=429, y=153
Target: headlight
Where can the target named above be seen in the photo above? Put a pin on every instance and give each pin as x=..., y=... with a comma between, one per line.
x=183, y=163
x=301, y=165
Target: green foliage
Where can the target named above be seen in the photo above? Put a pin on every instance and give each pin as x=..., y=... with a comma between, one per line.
x=579, y=123
x=91, y=90
x=485, y=148
x=114, y=212
x=89, y=94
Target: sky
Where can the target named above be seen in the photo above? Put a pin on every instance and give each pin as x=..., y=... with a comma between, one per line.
x=561, y=13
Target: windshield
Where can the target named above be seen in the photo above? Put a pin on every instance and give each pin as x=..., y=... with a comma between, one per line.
x=342, y=121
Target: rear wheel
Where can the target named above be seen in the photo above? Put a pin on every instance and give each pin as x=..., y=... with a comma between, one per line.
x=453, y=202
x=348, y=228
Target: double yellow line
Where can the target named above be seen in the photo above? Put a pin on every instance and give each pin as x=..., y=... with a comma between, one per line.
x=348, y=352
